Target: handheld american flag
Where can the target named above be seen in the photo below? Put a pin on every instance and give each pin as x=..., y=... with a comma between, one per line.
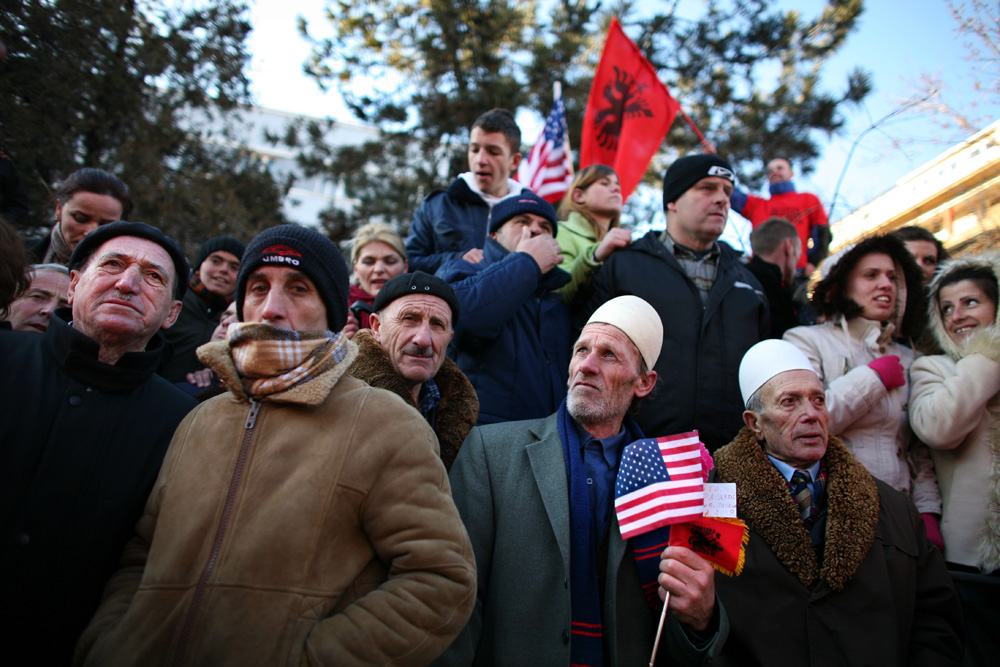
x=548, y=169
x=659, y=483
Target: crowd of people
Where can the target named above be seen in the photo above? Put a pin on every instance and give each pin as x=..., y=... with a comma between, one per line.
x=273, y=455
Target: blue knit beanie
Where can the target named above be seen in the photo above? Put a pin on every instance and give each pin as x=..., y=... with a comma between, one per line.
x=525, y=201
x=305, y=250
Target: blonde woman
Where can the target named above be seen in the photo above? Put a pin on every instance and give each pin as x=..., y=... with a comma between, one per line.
x=589, y=219
x=378, y=255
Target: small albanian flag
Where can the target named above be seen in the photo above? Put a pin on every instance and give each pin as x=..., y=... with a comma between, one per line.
x=720, y=541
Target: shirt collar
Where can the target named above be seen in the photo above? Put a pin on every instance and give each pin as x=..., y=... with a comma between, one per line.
x=611, y=446
x=787, y=471
x=676, y=248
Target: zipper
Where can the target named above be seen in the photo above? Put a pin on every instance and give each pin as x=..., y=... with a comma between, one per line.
x=199, y=593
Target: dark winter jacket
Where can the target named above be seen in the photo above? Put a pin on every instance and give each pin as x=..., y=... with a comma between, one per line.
x=698, y=385
x=864, y=587
x=194, y=327
x=456, y=412
x=82, y=443
x=513, y=341
x=448, y=224
x=38, y=246
x=779, y=298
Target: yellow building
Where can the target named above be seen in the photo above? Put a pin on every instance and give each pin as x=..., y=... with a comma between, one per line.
x=955, y=196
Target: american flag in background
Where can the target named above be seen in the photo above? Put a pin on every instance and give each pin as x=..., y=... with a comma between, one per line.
x=659, y=483
x=548, y=169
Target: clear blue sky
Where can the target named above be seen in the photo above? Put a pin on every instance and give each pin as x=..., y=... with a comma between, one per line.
x=896, y=41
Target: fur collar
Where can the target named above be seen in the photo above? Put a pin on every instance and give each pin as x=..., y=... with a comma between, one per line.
x=767, y=506
x=989, y=261
x=986, y=342
x=217, y=357
x=459, y=407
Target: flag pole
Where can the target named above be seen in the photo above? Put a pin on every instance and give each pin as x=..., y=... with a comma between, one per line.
x=557, y=95
x=659, y=629
x=701, y=137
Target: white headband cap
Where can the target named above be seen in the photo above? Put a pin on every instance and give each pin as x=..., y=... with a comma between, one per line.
x=765, y=360
x=638, y=320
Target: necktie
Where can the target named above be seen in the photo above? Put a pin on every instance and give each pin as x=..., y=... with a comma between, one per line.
x=801, y=493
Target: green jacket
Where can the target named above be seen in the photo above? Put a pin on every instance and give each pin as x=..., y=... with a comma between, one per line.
x=578, y=242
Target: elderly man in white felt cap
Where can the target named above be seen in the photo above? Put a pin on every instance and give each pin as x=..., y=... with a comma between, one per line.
x=838, y=567
x=557, y=583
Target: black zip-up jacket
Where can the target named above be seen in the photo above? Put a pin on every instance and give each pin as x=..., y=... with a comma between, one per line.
x=81, y=443
x=698, y=368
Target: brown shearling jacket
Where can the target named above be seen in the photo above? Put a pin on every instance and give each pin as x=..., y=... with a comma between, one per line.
x=320, y=535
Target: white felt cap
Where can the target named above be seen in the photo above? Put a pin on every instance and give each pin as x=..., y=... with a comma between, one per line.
x=638, y=320
x=765, y=360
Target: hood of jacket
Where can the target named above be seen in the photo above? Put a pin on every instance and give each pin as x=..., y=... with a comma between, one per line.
x=980, y=340
x=829, y=293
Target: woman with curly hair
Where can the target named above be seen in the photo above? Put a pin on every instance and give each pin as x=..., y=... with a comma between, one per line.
x=872, y=296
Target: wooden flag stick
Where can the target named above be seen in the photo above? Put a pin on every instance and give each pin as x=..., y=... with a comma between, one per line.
x=659, y=630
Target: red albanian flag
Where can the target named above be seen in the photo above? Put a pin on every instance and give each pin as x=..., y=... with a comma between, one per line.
x=629, y=111
x=722, y=542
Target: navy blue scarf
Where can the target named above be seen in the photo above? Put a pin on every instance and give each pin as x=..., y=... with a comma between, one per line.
x=586, y=647
x=781, y=188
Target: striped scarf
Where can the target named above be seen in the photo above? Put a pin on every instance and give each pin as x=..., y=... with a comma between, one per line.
x=586, y=647
x=270, y=360
x=213, y=300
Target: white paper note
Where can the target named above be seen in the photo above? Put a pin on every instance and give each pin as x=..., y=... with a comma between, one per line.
x=720, y=500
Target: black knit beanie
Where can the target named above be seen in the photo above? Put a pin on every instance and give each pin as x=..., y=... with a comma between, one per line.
x=223, y=243
x=688, y=170
x=418, y=282
x=92, y=241
x=305, y=250
x=525, y=201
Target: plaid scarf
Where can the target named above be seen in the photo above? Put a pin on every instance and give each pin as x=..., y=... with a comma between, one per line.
x=270, y=360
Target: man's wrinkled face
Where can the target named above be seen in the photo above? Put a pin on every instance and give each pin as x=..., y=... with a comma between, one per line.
x=30, y=311
x=604, y=375
x=699, y=215
x=124, y=292
x=509, y=234
x=414, y=331
x=794, y=423
x=284, y=297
